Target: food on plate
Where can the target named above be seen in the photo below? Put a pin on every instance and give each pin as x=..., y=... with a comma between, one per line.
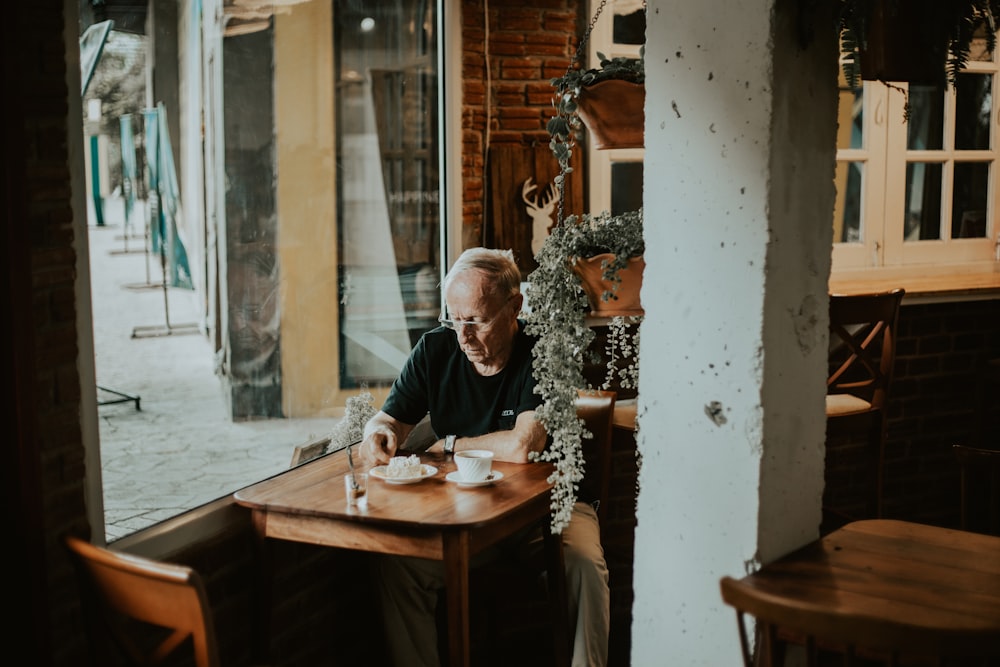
x=404, y=466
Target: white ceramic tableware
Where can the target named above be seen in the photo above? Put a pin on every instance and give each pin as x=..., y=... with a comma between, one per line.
x=379, y=472
x=493, y=477
x=474, y=464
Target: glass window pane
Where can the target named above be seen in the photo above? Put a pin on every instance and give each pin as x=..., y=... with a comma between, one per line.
x=978, y=51
x=924, y=127
x=923, y=201
x=388, y=184
x=626, y=187
x=968, y=211
x=847, y=215
x=850, y=117
x=630, y=22
x=973, y=107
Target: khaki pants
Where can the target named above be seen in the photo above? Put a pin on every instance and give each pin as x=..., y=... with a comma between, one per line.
x=408, y=589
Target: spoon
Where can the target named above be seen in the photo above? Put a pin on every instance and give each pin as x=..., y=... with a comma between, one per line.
x=350, y=463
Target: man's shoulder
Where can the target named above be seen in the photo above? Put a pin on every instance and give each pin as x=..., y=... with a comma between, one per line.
x=436, y=342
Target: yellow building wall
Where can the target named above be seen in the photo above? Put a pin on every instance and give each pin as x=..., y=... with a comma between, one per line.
x=307, y=203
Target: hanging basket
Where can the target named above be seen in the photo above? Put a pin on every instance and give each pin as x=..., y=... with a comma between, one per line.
x=591, y=277
x=614, y=113
x=908, y=43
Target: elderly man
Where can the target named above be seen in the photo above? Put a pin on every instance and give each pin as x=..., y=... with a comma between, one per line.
x=473, y=376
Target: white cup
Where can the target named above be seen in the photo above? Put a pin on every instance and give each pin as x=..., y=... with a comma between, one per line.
x=474, y=465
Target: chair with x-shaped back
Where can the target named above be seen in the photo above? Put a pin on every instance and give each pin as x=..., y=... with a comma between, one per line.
x=863, y=332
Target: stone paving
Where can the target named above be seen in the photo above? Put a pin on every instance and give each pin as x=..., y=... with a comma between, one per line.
x=180, y=449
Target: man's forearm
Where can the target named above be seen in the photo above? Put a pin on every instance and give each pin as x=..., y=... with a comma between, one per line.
x=514, y=446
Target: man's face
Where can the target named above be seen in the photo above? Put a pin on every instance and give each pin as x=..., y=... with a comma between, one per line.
x=486, y=322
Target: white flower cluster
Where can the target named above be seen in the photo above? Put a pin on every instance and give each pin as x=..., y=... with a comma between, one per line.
x=358, y=410
x=622, y=346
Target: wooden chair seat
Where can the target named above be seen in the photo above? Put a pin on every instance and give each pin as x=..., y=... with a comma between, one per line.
x=838, y=405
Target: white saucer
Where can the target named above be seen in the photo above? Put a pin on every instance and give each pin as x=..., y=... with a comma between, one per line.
x=426, y=471
x=494, y=476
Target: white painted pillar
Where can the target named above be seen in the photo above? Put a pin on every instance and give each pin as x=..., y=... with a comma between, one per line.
x=739, y=165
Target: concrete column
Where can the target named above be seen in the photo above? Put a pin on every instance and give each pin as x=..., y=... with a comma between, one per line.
x=739, y=163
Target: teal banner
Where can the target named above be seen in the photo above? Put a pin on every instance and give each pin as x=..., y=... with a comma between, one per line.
x=164, y=199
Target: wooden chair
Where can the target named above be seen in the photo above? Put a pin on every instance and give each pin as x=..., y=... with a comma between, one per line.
x=597, y=410
x=310, y=450
x=979, y=475
x=131, y=594
x=988, y=391
x=828, y=637
x=493, y=581
x=863, y=331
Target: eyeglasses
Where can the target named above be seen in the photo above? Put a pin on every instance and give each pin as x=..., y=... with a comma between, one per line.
x=473, y=325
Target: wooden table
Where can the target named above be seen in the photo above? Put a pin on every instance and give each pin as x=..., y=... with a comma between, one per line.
x=944, y=583
x=434, y=519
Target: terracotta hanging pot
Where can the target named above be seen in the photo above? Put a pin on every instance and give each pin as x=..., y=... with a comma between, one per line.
x=627, y=301
x=614, y=113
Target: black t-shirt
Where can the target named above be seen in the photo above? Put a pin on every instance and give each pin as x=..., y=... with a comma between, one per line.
x=438, y=378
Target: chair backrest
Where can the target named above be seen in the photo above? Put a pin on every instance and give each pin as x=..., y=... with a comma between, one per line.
x=979, y=472
x=310, y=450
x=863, y=344
x=131, y=593
x=597, y=408
x=824, y=633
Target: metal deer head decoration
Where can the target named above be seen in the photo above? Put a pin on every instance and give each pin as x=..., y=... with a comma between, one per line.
x=540, y=207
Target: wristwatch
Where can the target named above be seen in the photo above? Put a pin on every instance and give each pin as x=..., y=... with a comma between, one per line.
x=449, y=444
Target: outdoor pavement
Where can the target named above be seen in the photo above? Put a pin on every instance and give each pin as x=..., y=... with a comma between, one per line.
x=180, y=449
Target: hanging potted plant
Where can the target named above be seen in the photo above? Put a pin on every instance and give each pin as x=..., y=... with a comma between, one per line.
x=918, y=41
x=609, y=100
x=558, y=310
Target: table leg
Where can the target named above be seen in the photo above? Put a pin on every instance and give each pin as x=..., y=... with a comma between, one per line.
x=556, y=568
x=262, y=592
x=456, y=570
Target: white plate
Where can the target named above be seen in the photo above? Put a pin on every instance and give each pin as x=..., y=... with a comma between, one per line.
x=494, y=476
x=378, y=472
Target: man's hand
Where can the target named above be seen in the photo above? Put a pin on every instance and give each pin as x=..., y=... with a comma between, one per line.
x=383, y=435
x=378, y=447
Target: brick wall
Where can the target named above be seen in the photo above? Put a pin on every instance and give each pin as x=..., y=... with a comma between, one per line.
x=522, y=44
x=44, y=447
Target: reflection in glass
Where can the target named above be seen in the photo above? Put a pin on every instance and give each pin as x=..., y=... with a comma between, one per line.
x=388, y=183
x=924, y=128
x=923, y=201
x=630, y=22
x=973, y=107
x=850, y=117
x=332, y=209
x=626, y=187
x=847, y=214
x=252, y=332
x=968, y=210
